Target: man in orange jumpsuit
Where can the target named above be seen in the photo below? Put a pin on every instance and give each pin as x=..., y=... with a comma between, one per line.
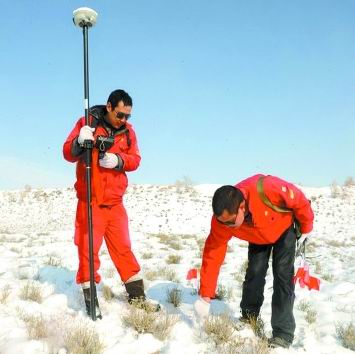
x=240, y=211
x=109, y=181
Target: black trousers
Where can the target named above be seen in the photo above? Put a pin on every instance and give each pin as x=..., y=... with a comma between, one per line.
x=283, y=258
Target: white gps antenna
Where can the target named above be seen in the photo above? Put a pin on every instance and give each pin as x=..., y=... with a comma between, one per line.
x=84, y=16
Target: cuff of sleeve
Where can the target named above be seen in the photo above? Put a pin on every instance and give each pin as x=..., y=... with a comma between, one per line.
x=76, y=149
x=119, y=165
x=307, y=228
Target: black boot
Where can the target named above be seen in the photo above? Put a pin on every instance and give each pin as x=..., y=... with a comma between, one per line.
x=87, y=299
x=136, y=296
x=135, y=290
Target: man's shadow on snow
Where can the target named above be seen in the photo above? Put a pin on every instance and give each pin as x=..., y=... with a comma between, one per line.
x=64, y=283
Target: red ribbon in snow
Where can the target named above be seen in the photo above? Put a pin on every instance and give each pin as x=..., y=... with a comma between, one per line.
x=191, y=274
x=302, y=275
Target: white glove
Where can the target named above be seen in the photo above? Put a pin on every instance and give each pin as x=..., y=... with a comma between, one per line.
x=109, y=160
x=86, y=133
x=202, y=309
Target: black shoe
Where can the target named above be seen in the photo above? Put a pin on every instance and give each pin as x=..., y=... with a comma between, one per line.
x=87, y=299
x=278, y=342
x=135, y=290
x=136, y=296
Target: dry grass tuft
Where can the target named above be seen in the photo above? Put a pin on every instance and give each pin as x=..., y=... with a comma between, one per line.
x=162, y=273
x=346, y=334
x=242, y=345
x=219, y=328
x=5, y=293
x=164, y=325
x=107, y=293
x=224, y=293
x=157, y=323
x=83, y=339
x=32, y=292
x=54, y=261
x=310, y=313
x=174, y=296
x=36, y=326
x=147, y=255
x=311, y=316
x=304, y=306
x=173, y=259
x=110, y=272
x=258, y=326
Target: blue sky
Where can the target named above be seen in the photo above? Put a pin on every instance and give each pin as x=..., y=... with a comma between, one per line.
x=221, y=90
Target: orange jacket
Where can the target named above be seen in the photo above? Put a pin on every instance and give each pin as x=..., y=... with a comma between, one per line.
x=108, y=185
x=266, y=227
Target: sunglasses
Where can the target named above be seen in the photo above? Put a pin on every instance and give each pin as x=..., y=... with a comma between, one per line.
x=121, y=115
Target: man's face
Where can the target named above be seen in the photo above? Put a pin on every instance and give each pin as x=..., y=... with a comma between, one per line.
x=119, y=115
x=235, y=219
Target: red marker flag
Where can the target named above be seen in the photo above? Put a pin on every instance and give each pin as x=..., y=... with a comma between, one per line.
x=304, y=279
x=191, y=274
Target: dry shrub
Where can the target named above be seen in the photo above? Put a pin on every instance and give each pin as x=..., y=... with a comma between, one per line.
x=230, y=249
x=327, y=277
x=224, y=293
x=219, y=328
x=242, y=345
x=201, y=244
x=107, y=293
x=173, y=259
x=173, y=241
x=157, y=323
x=36, y=326
x=164, y=325
x=174, y=244
x=174, y=296
x=349, y=182
x=110, y=272
x=5, y=293
x=234, y=346
x=54, y=261
x=258, y=326
x=162, y=273
x=147, y=255
x=334, y=190
x=81, y=338
x=336, y=243
x=304, y=305
x=346, y=334
x=310, y=313
x=311, y=316
x=244, y=266
x=146, y=305
x=32, y=292
x=239, y=277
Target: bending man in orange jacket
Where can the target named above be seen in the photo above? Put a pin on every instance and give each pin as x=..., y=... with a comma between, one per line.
x=109, y=123
x=240, y=212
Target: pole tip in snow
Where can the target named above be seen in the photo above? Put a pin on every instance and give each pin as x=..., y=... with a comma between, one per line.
x=84, y=16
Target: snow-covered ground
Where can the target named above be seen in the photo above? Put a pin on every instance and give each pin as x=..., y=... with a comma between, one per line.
x=42, y=310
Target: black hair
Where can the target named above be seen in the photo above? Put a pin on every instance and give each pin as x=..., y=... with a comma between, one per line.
x=226, y=198
x=118, y=96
